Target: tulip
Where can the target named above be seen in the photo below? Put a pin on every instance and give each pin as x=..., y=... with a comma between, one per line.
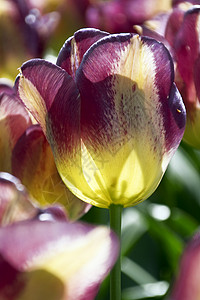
x=111, y=113
x=54, y=260
x=25, y=152
x=186, y=286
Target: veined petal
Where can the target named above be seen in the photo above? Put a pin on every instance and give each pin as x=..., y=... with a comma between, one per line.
x=72, y=52
x=15, y=203
x=58, y=260
x=33, y=163
x=132, y=115
x=14, y=120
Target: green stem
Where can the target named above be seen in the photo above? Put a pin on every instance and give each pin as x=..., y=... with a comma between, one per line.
x=115, y=274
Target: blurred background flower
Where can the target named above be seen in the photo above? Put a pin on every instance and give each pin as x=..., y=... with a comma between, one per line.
x=117, y=16
x=187, y=282
x=25, y=32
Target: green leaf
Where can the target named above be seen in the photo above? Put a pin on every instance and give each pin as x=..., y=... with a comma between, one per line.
x=136, y=272
x=149, y=290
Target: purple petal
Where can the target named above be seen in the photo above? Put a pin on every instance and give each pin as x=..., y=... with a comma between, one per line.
x=56, y=98
x=72, y=52
x=173, y=25
x=186, y=286
x=186, y=47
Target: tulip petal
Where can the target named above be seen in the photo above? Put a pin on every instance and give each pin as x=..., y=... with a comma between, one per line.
x=186, y=46
x=58, y=260
x=72, y=52
x=15, y=203
x=55, y=104
x=14, y=120
x=131, y=114
x=33, y=163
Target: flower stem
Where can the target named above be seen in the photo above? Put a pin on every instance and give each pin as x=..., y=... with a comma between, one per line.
x=115, y=274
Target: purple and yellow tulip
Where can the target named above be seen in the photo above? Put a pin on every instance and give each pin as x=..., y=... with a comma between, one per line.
x=111, y=113
x=58, y=260
x=25, y=152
